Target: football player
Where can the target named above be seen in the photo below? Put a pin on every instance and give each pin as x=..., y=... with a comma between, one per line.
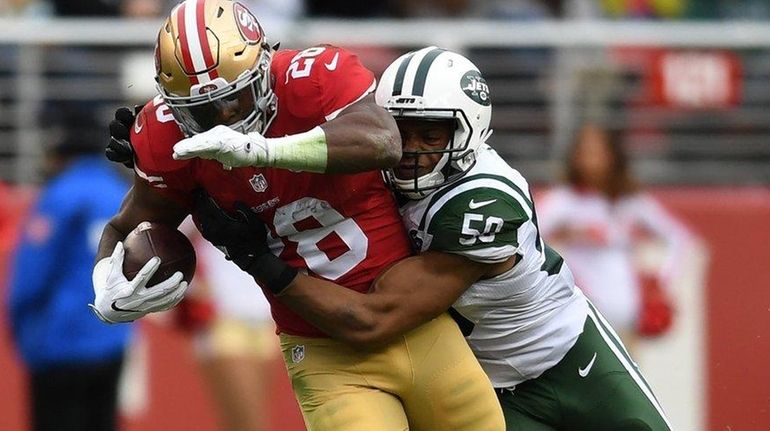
x=555, y=362
x=311, y=114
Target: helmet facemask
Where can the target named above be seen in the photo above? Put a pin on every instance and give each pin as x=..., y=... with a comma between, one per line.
x=434, y=84
x=457, y=156
x=246, y=105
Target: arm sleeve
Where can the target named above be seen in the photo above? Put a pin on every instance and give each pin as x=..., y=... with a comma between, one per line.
x=481, y=224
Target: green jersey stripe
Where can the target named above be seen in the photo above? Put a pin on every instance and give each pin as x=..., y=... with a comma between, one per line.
x=437, y=200
x=612, y=342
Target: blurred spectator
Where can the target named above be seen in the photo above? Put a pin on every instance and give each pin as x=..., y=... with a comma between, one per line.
x=235, y=350
x=73, y=359
x=595, y=221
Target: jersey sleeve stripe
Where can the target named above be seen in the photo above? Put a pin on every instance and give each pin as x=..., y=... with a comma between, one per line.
x=488, y=254
x=474, y=182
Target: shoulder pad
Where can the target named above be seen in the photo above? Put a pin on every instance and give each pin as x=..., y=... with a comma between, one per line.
x=153, y=137
x=320, y=81
x=479, y=213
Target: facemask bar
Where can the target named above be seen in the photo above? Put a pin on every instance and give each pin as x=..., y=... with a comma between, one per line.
x=446, y=170
x=257, y=81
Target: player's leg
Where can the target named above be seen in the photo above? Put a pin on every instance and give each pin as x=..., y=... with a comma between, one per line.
x=516, y=419
x=450, y=391
x=629, y=403
x=341, y=389
x=594, y=387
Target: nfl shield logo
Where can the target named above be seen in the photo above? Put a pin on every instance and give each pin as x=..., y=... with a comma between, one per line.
x=297, y=353
x=258, y=183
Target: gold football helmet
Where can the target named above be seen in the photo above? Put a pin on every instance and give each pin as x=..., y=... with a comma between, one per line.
x=212, y=65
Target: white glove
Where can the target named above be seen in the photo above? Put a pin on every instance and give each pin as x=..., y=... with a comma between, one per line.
x=233, y=149
x=120, y=300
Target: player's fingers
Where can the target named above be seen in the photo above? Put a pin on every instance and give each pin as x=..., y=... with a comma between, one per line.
x=118, y=130
x=116, y=261
x=125, y=116
x=168, y=285
x=171, y=301
x=144, y=274
x=158, y=297
x=196, y=146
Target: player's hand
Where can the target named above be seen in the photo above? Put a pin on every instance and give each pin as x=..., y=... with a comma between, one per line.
x=119, y=148
x=118, y=299
x=242, y=237
x=232, y=149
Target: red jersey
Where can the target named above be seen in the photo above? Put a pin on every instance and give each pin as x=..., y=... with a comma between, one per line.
x=344, y=228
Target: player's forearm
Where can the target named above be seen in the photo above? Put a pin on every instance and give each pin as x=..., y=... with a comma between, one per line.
x=354, y=142
x=363, y=140
x=110, y=236
x=344, y=314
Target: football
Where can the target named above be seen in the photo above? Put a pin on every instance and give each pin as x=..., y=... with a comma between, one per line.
x=148, y=239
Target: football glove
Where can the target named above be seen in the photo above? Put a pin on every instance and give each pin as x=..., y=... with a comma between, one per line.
x=119, y=300
x=232, y=149
x=119, y=148
x=243, y=239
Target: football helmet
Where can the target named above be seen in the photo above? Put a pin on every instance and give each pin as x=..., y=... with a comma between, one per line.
x=212, y=64
x=435, y=84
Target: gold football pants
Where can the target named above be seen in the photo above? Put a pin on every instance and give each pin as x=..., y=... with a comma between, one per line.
x=426, y=380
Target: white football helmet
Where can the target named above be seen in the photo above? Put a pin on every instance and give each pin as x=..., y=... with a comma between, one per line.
x=436, y=84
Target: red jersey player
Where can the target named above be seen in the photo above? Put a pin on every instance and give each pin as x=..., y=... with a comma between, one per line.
x=290, y=111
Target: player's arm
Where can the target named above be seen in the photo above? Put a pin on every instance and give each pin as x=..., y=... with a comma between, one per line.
x=118, y=299
x=356, y=136
x=141, y=203
x=409, y=293
x=363, y=137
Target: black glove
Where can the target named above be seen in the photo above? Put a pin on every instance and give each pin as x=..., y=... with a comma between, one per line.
x=119, y=148
x=243, y=239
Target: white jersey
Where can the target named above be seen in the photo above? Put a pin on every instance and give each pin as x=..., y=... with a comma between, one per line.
x=525, y=320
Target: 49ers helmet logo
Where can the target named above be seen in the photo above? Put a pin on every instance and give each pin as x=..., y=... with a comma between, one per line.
x=247, y=24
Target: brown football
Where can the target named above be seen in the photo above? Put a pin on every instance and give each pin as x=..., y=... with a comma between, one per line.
x=148, y=239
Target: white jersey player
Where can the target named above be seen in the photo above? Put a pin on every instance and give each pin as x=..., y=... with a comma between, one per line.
x=553, y=359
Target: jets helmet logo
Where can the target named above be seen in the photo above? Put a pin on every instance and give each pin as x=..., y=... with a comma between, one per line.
x=475, y=87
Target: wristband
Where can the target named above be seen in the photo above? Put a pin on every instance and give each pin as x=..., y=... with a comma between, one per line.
x=305, y=151
x=271, y=272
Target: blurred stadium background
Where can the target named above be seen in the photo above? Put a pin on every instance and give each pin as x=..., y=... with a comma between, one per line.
x=687, y=83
